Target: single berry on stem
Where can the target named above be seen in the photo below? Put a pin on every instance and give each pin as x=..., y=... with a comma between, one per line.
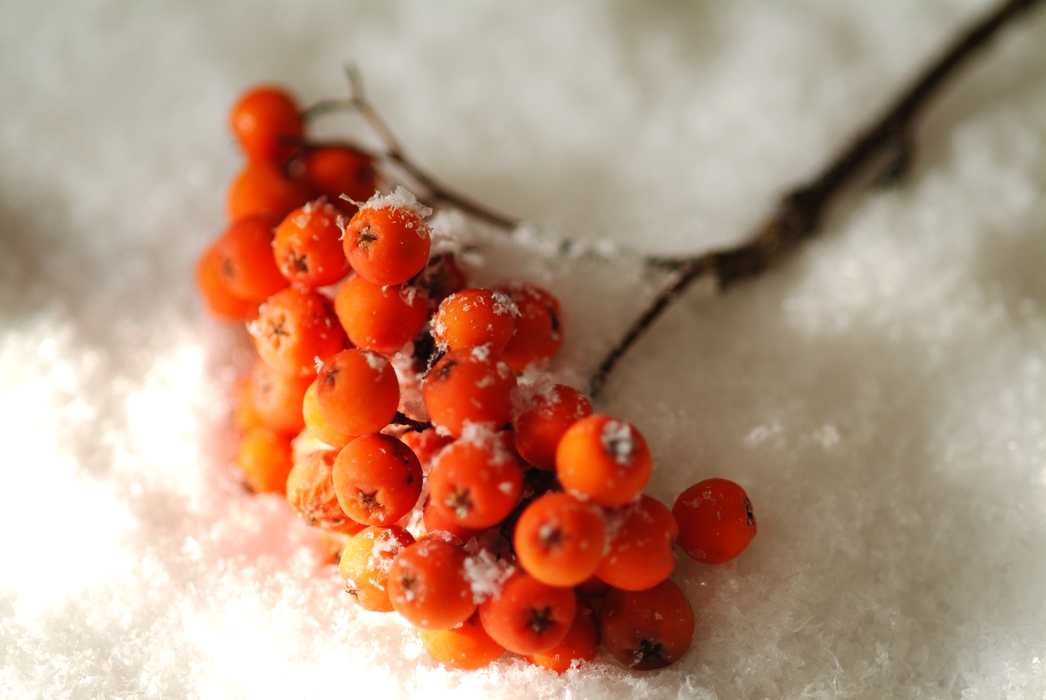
x=716, y=521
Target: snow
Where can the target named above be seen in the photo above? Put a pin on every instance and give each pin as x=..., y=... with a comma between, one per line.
x=880, y=394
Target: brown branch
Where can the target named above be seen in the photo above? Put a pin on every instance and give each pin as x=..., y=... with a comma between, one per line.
x=799, y=213
x=436, y=192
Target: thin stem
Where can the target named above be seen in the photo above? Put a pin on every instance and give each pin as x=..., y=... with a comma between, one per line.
x=437, y=192
x=798, y=214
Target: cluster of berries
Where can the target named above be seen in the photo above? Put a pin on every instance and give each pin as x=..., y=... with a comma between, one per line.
x=384, y=382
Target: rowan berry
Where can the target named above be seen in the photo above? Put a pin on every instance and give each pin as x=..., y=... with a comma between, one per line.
x=217, y=297
x=441, y=278
x=542, y=417
x=467, y=647
x=318, y=426
x=247, y=267
x=336, y=170
x=469, y=385
x=267, y=125
x=263, y=189
x=310, y=491
x=559, y=539
x=527, y=616
x=357, y=391
x=277, y=398
x=244, y=416
x=716, y=521
x=307, y=245
x=380, y=318
x=378, y=479
x=426, y=444
x=293, y=328
x=604, y=459
x=538, y=332
x=580, y=644
x=366, y=561
x=474, y=317
x=639, y=547
x=265, y=459
x=648, y=629
x=388, y=241
x=436, y=522
x=476, y=481
x=428, y=587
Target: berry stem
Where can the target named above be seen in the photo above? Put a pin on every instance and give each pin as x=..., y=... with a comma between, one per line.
x=437, y=192
x=887, y=140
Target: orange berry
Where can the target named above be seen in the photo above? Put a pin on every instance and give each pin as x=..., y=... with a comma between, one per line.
x=435, y=522
x=604, y=459
x=428, y=587
x=538, y=330
x=559, y=540
x=476, y=481
x=716, y=521
x=307, y=246
x=247, y=268
x=527, y=616
x=277, y=398
x=542, y=419
x=388, y=241
x=365, y=563
x=474, y=317
x=469, y=385
x=294, y=328
x=317, y=424
x=217, y=297
x=244, y=417
x=266, y=123
x=639, y=551
x=264, y=189
x=380, y=318
x=466, y=647
x=581, y=643
x=341, y=170
x=310, y=491
x=647, y=629
x=265, y=459
x=378, y=479
x=357, y=391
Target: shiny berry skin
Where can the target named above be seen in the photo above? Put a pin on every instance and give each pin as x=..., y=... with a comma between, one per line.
x=357, y=391
x=294, y=328
x=716, y=521
x=649, y=629
x=380, y=318
x=475, y=482
x=247, y=267
x=334, y=171
x=365, y=563
x=604, y=459
x=543, y=418
x=467, y=647
x=639, y=549
x=377, y=479
x=307, y=246
x=427, y=585
x=559, y=539
x=538, y=332
x=474, y=317
x=266, y=124
x=527, y=616
x=263, y=189
x=469, y=385
x=388, y=241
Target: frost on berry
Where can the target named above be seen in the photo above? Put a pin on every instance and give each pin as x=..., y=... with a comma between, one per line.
x=618, y=441
x=485, y=574
x=400, y=198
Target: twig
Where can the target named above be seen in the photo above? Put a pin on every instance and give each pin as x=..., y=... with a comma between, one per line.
x=393, y=152
x=799, y=213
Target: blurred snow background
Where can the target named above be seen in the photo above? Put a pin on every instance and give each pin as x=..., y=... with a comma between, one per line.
x=881, y=394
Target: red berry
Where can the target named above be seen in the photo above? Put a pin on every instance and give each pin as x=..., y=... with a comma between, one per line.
x=474, y=317
x=294, y=328
x=716, y=521
x=538, y=329
x=543, y=417
x=266, y=123
x=357, y=392
x=604, y=459
x=380, y=318
x=469, y=386
x=427, y=585
x=639, y=549
x=648, y=629
x=527, y=616
x=334, y=171
x=307, y=246
x=247, y=267
x=388, y=241
x=264, y=189
x=377, y=479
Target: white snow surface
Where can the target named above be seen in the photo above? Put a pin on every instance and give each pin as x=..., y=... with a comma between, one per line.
x=880, y=394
